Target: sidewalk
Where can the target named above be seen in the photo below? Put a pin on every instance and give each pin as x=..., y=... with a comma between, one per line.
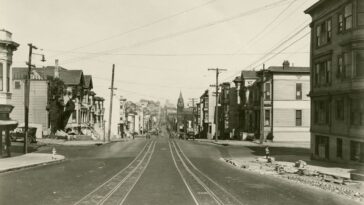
x=48, y=141
x=296, y=144
x=289, y=152
x=28, y=160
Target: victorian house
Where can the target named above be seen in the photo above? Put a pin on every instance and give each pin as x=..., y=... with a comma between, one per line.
x=248, y=114
x=78, y=89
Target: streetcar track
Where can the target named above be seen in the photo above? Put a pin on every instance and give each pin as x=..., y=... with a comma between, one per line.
x=208, y=190
x=231, y=199
x=183, y=178
x=209, y=197
x=215, y=189
x=120, y=194
x=95, y=198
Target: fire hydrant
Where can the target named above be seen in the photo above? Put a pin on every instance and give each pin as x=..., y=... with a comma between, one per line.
x=54, y=152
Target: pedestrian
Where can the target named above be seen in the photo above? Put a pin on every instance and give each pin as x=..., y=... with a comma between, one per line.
x=266, y=152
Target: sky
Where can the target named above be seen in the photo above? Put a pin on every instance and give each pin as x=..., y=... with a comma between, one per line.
x=162, y=47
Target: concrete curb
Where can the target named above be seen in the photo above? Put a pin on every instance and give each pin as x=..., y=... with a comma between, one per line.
x=13, y=169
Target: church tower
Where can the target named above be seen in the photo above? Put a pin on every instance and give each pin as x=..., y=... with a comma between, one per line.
x=180, y=116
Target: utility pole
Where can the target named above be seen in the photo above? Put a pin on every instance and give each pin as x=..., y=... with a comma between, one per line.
x=262, y=107
x=193, y=113
x=217, y=70
x=26, y=99
x=111, y=97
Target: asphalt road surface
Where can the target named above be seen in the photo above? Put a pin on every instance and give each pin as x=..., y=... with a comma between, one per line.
x=159, y=170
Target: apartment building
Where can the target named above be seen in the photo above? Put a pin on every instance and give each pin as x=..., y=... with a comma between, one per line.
x=337, y=86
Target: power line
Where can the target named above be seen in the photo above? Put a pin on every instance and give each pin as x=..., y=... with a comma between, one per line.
x=141, y=27
x=180, y=54
x=285, y=40
x=289, y=45
x=171, y=35
x=148, y=84
x=260, y=34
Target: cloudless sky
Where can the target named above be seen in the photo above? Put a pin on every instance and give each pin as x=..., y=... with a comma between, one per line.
x=168, y=56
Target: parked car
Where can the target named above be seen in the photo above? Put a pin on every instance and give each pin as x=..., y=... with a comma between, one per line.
x=18, y=134
x=190, y=133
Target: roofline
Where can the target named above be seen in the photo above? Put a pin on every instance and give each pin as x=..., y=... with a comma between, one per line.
x=314, y=6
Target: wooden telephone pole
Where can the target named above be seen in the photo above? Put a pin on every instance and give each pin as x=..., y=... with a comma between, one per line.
x=262, y=107
x=26, y=99
x=111, y=97
x=217, y=70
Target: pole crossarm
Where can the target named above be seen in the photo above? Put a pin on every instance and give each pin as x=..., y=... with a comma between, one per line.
x=218, y=71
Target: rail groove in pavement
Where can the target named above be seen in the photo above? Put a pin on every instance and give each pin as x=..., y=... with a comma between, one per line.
x=216, y=192
x=122, y=192
x=101, y=193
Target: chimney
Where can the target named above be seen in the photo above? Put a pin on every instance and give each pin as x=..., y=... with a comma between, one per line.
x=285, y=64
x=56, y=70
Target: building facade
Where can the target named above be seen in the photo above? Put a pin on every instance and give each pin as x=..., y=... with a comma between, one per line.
x=286, y=106
x=337, y=85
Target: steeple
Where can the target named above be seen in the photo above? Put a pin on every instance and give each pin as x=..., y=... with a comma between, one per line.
x=180, y=103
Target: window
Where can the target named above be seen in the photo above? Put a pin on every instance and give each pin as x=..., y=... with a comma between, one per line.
x=357, y=151
x=323, y=33
x=339, y=148
x=8, y=77
x=340, y=23
x=347, y=63
x=321, y=112
x=322, y=146
x=359, y=69
x=17, y=85
x=1, y=77
x=348, y=15
x=318, y=35
x=357, y=112
x=267, y=91
x=323, y=73
x=298, y=117
x=328, y=28
x=340, y=109
x=267, y=118
x=317, y=74
x=328, y=72
x=341, y=73
x=298, y=91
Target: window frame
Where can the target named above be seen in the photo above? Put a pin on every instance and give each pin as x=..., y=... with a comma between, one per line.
x=349, y=5
x=17, y=85
x=298, y=118
x=340, y=113
x=299, y=89
x=339, y=148
x=267, y=118
x=357, y=65
x=267, y=91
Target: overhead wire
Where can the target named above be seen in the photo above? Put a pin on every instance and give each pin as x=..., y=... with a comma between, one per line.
x=251, y=41
x=276, y=47
x=166, y=18
x=193, y=29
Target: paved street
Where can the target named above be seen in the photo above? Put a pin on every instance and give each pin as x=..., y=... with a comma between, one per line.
x=155, y=171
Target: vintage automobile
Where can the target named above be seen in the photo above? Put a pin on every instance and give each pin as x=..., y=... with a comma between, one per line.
x=18, y=134
x=190, y=133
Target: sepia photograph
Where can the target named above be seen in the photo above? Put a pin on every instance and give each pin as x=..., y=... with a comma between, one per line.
x=171, y=102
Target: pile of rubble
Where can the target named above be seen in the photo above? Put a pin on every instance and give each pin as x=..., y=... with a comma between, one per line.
x=302, y=173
